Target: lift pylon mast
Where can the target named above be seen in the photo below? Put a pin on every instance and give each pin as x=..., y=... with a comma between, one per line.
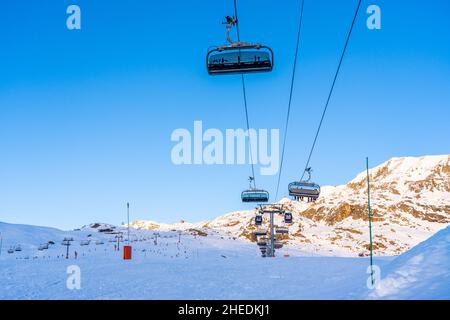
x=271, y=209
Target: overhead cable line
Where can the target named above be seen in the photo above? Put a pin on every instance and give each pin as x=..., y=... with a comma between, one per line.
x=331, y=89
x=290, y=97
x=245, y=100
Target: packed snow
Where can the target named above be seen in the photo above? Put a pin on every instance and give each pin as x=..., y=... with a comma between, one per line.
x=421, y=273
x=188, y=265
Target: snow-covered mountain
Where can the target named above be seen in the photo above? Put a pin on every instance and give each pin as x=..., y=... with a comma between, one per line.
x=410, y=199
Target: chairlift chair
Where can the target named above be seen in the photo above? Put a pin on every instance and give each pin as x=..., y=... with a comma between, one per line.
x=253, y=194
x=261, y=242
x=304, y=188
x=278, y=245
x=43, y=247
x=288, y=217
x=260, y=232
x=282, y=230
x=238, y=57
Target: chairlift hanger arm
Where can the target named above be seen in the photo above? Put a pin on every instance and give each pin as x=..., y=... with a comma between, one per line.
x=308, y=171
x=231, y=21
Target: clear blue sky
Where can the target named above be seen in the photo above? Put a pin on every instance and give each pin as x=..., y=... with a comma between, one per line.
x=86, y=116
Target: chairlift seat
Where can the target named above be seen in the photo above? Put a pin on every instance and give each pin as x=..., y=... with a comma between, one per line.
x=260, y=232
x=258, y=220
x=288, y=217
x=255, y=195
x=239, y=59
x=43, y=247
x=282, y=230
x=278, y=245
x=304, y=189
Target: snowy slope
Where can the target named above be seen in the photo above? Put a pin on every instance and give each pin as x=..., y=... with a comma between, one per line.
x=421, y=273
x=177, y=266
x=190, y=266
x=410, y=201
x=28, y=237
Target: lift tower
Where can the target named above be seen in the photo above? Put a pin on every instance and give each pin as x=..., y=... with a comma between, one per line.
x=272, y=210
